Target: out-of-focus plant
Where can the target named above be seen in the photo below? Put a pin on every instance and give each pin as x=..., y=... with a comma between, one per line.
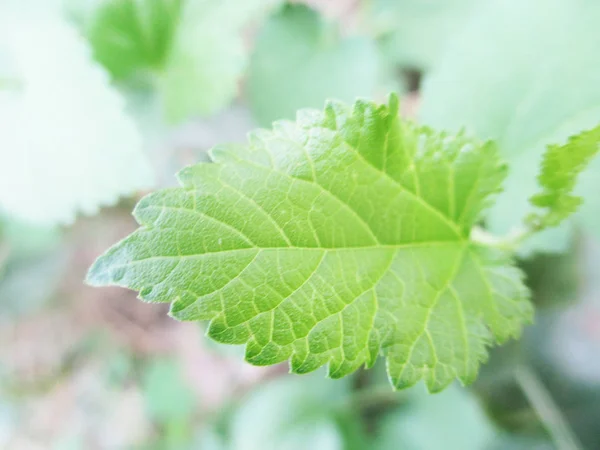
x=67, y=144
x=331, y=240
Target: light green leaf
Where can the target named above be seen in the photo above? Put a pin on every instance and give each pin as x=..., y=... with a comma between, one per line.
x=66, y=145
x=415, y=32
x=289, y=414
x=452, y=420
x=193, y=51
x=166, y=395
x=561, y=166
x=526, y=85
x=300, y=60
x=329, y=241
x=209, y=56
x=133, y=35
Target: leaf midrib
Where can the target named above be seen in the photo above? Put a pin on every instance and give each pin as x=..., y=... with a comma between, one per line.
x=394, y=247
x=447, y=221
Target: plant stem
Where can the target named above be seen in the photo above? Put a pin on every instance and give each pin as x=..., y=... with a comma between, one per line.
x=508, y=243
x=546, y=409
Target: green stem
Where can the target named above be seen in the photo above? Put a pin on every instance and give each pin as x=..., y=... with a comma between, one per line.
x=509, y=243
x=546, y=409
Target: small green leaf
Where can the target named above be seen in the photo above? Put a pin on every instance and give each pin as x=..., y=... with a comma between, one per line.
x=133, y=35
x=561, y=166
x=526, y=86
x=300, y=61
x=330, y=240
x=208, y=56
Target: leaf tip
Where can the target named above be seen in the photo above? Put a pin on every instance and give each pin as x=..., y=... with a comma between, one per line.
x=435, y=387
x=111, y=267
x=99, y=273
x=394, y=104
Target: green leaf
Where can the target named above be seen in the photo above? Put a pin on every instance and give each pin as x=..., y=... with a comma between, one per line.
x=208, y=57
x=504, y=83
x=300, y=61
x=193, y=52
x=414, y=32
x=561, y=166
x=166, y=395
x=291, y=414
x=67, y=145
x=451, y=420
x=133, y=35
x=329, y=241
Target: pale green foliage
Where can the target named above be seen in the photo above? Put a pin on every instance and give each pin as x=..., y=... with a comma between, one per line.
x=414, y=32
x=329, y=241
x=191, y=51
x=58, y=155
x=560, y=168
x=133, y=35
x=300, y=60
x=291, y=414
x=452, y=420
x=166, y=394
x=209, y=56
x=526, y=85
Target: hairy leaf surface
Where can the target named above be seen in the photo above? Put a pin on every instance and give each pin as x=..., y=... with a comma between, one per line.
x=330, y=240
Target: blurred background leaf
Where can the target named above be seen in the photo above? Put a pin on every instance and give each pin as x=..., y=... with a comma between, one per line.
x=300, y=60
x=291, y=414
x=209, y=56
x=452, y=419
x=57, y=162
x=532, y=81
x=131, y=36
x=413, y=33
x=165, y=393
